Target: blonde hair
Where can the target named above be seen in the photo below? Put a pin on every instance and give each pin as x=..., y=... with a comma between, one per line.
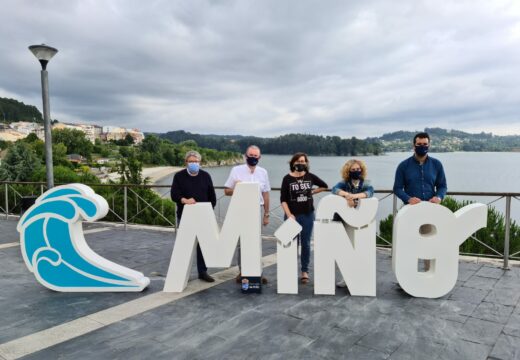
x=345, y=170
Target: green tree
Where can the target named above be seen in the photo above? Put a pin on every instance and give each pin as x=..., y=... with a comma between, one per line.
x=492, y=235
x=19, y=163
x=74, y=140
x=130, y=169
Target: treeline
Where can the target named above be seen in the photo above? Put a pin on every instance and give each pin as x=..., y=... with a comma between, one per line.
x=24, y=161
x=452, y=140
x=12, y=110
x=285, y=144
x=25, y=158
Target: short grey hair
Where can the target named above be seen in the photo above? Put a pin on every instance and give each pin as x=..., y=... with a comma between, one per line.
x=194, y=154
x=253, y=147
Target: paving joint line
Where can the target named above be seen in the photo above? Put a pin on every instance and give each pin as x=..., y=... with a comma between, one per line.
x=58, y=334
x=9, y=245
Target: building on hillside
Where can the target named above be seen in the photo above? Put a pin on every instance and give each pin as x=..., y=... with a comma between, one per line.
x=137, y=135
x=75, y=158
x=25, y=127
x=113, y=133
x=92, y=132
x=11, y=135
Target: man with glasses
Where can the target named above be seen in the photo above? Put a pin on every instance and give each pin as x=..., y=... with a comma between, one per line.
x=420, y=178
x=192, y=185
x=251, y=172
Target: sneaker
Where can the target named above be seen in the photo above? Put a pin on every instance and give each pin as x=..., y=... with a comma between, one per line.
x=206, y=277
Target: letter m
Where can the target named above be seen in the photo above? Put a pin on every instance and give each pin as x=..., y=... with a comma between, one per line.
x=199, y=224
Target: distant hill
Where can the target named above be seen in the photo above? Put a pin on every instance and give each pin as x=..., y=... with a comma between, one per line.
x=12, y=110
x=451, y=140
x=285, y=144
x=442, y=141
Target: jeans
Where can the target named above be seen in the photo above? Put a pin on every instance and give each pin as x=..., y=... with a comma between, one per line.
x=201, y=264
x=307, y=223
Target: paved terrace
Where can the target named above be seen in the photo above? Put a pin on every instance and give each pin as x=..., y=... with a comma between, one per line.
x=479, y=319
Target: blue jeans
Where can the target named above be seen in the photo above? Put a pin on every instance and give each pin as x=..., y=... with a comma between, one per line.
x=307, y=223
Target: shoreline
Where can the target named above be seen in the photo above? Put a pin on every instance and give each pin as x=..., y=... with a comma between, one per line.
x=156, y=173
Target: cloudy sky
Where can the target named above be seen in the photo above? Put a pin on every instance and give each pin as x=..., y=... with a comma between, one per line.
x=266, y=68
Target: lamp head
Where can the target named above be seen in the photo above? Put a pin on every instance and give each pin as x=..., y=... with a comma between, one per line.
x=43, y=53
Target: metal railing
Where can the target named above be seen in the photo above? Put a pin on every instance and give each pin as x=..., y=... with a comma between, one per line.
x=130, y=211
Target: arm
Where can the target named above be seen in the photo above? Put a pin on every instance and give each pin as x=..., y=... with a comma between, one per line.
x=265, y=195
x=230, y=183
x=368, y=190
x=211, y=192
x=175, y=191
x=286, y=210
x=399, y=184
x=321, y=185
x=285, y=197
x=340, y=188
x=441, y=185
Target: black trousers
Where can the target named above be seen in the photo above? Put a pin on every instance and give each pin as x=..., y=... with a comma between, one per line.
x=201, y=264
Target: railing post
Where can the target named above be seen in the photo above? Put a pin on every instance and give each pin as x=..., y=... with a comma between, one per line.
x=507, y=232
x=125, y=201
x=41, y=189
x=6, y=202
x=394, y=206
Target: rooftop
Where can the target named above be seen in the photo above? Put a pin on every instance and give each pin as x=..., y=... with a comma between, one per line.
x=479, y=319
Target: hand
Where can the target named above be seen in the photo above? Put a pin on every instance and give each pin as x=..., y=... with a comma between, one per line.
x=414, y=200
x=348, y=196
x=291, y=217
x=265, y=220
x=351, y=203
x=189, y=201
x=435, y=200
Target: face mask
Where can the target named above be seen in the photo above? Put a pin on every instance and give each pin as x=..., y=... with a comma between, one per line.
x=193, y=168
x=251, y=161
x=355, y=175
x=421, y=150
x=300, y=167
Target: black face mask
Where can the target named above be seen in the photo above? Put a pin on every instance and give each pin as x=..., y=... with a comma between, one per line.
x=421, y=150
x=251, y=161
x=300, y=167
x=355, y=175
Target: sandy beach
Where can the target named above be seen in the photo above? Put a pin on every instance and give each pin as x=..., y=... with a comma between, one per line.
x=153, y=174
x=156, y=173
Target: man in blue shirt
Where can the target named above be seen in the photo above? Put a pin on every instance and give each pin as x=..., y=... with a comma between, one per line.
x=420, y=177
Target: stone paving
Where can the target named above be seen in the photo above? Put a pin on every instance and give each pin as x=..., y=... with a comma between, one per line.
x=479, y=319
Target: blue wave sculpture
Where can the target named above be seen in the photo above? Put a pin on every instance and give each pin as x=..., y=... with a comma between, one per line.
x=55, y=250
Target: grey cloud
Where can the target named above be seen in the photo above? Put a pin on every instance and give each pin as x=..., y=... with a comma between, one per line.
x=268, y=68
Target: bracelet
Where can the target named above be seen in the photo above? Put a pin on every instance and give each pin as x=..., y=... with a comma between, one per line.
x=266, y=215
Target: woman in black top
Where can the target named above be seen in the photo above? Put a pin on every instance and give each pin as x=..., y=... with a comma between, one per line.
x=296, y=198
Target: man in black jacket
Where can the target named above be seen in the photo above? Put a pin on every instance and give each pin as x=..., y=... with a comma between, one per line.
x=192, y=185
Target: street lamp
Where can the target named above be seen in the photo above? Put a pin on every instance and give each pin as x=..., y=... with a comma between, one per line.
x=44, y=53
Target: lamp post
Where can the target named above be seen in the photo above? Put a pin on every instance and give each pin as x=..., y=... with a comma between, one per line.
x=44, y=53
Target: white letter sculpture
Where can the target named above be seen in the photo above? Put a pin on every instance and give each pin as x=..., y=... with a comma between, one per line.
x=198, y=223
x=447, y=231
x=287, y=257
x=352, y=247
x=54, y=249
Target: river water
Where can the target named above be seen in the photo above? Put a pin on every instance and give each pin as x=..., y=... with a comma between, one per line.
x=465, y=171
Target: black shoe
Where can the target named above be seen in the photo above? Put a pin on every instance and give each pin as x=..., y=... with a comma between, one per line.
x=206, y=277
x=264, y=280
